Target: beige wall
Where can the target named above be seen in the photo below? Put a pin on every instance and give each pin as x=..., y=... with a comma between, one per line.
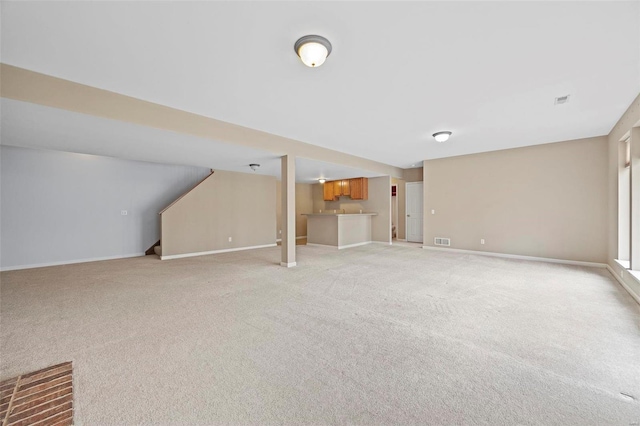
x=543, y=201
x=630, y=119
x=413, y=175
x=379, y=202
x=304, y=204
x=227, y=204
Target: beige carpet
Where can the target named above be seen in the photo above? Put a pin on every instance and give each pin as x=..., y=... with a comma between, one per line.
x=370, y=335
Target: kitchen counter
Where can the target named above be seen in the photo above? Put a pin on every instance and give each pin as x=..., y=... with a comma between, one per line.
x=341, y=230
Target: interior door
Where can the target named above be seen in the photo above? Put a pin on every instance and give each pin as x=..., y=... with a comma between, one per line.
x=414, y=211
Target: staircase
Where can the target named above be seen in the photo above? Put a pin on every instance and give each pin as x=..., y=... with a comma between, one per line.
x=157, y=247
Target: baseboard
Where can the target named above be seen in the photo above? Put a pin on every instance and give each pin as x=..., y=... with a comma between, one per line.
x=519, y=257
x=288, y=265
x=624, y=285
x=340, y=247
x=354, y=245
x=297, y=238
x=321, y=245
x=204, y=253
x=70, y=262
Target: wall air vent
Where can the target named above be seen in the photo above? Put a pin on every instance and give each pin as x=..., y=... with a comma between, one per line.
x=561, y=100
x=442, y=241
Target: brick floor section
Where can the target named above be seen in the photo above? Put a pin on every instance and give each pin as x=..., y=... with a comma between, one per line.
x=42, y=398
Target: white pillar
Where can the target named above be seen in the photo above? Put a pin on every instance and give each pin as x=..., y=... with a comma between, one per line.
x=635, y=199
x=288, y=180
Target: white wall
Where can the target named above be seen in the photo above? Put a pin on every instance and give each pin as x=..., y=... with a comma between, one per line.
x=59, y=207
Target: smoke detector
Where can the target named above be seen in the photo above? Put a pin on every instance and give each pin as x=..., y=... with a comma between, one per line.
x=561, y=100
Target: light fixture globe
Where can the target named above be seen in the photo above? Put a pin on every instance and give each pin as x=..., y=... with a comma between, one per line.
x=441, y=136
x=313, y=50
x=322, y=180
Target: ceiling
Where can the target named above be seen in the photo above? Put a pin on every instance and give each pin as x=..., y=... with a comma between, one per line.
x=29, y=125
x=398, y=72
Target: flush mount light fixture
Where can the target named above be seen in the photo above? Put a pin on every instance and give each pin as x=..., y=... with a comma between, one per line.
x=312, y=50
x=441, y=136
x=254, y=166
x=322, y=180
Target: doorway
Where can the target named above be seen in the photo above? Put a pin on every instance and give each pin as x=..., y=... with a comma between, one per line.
x=394, y=211
x=414, y=211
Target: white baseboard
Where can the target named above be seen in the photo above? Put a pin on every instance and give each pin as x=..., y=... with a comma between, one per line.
x=297, y=238
x=69, y=262
x=519, y=257
x=204, y=253
x=321, y=245
x=340, y=247
x=635, y=296
x=288, y=265
x=354, y=245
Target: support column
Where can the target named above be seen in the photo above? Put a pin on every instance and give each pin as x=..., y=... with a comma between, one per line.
x=288, y=179
x=635, y=199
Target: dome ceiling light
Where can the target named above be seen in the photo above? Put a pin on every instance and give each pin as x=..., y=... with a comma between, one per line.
x=313, y=50
x=442, y=136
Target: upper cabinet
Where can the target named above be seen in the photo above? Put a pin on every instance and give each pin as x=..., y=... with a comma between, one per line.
x=357, y=189
x=329, y=193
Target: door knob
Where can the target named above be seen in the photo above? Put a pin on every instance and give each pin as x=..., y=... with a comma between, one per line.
x=408, y=215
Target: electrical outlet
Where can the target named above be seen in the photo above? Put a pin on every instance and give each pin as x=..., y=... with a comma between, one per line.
x=123, y=212
x=433, y=211
x=229, y=239
x=280, y=231
x=482, y=241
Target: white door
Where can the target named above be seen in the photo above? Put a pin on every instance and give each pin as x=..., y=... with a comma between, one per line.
x=414, y=211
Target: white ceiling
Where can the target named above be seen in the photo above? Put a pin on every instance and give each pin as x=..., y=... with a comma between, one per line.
x=399, y=71
x=35, y=126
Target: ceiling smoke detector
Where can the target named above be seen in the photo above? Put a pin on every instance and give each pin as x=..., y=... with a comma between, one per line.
x=254, y=166
x=561, y=100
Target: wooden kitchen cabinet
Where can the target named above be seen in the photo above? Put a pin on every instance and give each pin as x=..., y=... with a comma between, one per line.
x=359, y=188
x=329, y=194
x=337, y=188
x=345, y=187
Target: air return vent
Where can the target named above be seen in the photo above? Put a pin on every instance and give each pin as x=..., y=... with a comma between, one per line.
x=442, y=241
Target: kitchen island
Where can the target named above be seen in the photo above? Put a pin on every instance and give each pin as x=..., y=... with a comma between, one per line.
x=339, y=230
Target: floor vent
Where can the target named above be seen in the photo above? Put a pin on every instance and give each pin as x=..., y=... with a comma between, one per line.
x=442, y=241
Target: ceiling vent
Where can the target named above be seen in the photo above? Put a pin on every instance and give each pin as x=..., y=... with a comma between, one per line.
x=442, y=241
x=561, y=100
